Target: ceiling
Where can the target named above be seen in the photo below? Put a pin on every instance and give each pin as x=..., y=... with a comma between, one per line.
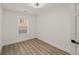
x=27, y=8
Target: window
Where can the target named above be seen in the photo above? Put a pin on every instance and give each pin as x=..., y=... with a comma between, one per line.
x=23, y=24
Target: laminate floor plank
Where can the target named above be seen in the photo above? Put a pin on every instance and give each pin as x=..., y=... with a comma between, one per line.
x=48, y=51
x=38, y=48
x=51, y=48
x=42, y=50
x=47, y=48
x=32, y=47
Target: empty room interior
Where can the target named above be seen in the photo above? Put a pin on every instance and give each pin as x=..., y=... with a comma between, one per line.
x=39, y=29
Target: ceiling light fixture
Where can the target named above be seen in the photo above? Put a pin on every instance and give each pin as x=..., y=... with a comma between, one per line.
x=38, y=5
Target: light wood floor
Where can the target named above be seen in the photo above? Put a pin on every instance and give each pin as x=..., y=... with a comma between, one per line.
x=32, y=47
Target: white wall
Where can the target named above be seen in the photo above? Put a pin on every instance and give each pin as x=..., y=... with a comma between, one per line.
x=10, y=30
x=54, y=27
x=0, y=28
